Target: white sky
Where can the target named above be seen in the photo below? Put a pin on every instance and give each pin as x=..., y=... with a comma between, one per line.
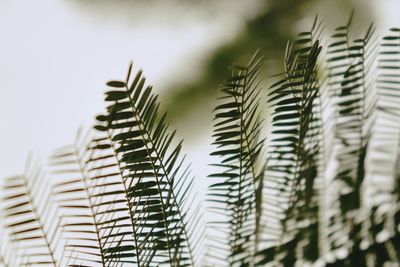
x=55, y=56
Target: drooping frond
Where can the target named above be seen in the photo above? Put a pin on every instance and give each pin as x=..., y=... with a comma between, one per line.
x=236, y=133
x=30, y=217
x=294, y=157
x=152, y=170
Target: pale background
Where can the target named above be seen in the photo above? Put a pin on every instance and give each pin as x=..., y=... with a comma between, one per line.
x=56, y=55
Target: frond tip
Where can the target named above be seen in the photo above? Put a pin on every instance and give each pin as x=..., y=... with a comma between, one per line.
x=236, y=133
x=292, y=167
x=152, y=171
x=30, y=217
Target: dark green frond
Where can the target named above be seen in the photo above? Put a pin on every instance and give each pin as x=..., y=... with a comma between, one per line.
x=152, y=171
x=236, y=132
x=294, y=157
x=109, y=195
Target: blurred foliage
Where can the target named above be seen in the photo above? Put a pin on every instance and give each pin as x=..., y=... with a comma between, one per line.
x=267, y=32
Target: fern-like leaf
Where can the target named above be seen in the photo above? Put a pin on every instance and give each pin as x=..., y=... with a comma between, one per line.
x=236, y=133
x=384, y=219
x=352, y=87
x=90, y=193
x=30, y=218
x=294, y=157
x=152, y=171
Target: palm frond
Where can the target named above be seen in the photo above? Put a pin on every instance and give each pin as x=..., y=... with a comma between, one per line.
x=236, y=133
x=384, y=235
x=112, y=201
x=30, y=218
x=152, y=170
x=389, y=103
x=294, y=157
x=352, y=87
x=94, y=223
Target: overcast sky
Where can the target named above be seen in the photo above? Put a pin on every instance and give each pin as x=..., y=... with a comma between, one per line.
x=56, y=55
